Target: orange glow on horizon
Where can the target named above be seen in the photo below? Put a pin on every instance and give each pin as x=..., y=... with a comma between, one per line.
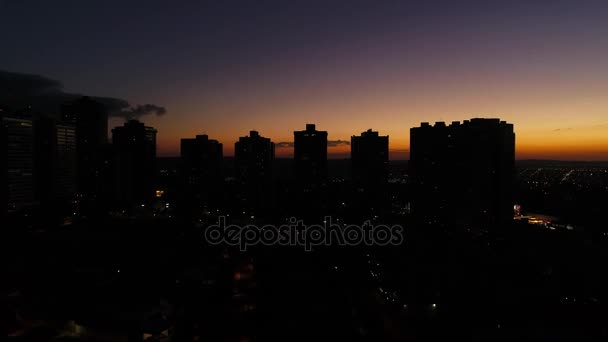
x=557, y=134
x=524, y=150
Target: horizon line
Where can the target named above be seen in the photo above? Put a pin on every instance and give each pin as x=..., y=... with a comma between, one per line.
x=393, y=159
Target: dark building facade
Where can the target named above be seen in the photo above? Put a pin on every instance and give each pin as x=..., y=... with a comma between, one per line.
x=3, y=168
x=369, y=157
x=65, y=156
x=201, y=161
x=310, y=154
x=54, y=166
x=462, y=173
x=17, y=135
x=134, y=148
x=45, y=141
x=55, y=161
x=253, y=157
x=90, y=119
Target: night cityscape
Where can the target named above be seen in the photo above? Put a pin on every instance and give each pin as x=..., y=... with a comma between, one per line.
x=302, y=182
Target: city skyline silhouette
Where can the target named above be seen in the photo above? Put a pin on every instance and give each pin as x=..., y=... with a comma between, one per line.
x=344, y=66
x=304, y=170
x=49, y=103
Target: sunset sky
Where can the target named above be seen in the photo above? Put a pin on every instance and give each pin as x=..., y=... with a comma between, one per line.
x=224, y=68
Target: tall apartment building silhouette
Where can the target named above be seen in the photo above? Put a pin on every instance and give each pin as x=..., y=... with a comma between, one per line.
x=253, y=156
x=369, y=157
x=134, y=147
x=54, y=160
x=90, y=119
x=17, y=156
x=310, y=154
x=462, y=173
x=201, y=163
x=254, y=159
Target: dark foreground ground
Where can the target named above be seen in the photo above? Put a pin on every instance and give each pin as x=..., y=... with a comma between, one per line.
x=130, y=280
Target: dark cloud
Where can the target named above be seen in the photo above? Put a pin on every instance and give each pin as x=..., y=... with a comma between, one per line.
x=145, y=109
x=45, y=96
x=562, y=129
x=334, y=143
x=18, y=91
x=284, y=144
x=15, y=85
x=330, y=143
